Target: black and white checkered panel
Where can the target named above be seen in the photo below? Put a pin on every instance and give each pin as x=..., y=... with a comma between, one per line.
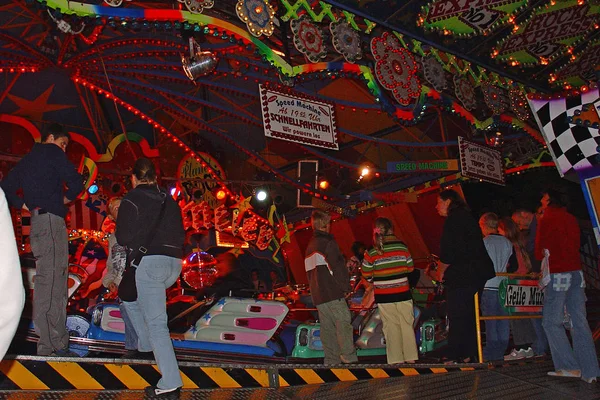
x=572, y=146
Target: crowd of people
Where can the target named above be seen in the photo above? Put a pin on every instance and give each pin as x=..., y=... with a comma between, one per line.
x=145, y=259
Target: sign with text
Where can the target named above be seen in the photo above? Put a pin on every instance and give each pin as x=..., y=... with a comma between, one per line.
x=405, y=167
x=296, y=118
x=582, y=69
x=521, y=296
x=550, y=32
x=478, y=161
x=197, y=181
x=468, y=17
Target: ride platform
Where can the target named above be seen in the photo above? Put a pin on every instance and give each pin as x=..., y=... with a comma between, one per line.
x=517, y=380
x=52, y=373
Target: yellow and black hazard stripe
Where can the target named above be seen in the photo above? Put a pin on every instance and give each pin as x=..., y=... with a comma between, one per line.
x=97, y=374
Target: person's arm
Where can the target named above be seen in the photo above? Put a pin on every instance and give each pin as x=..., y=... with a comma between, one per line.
x=338, y=266
x=367, y=264
x=127, y=223
x=68, y=173
x=448, y=242
x=541, y=237
x=11, y=184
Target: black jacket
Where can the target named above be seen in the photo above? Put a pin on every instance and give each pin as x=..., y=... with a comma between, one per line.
x=462, y=247
x=137, y=213
x=326, y=269
x=42, y=174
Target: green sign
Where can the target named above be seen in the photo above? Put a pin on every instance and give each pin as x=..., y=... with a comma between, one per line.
x=520, y=296
x=404, y=167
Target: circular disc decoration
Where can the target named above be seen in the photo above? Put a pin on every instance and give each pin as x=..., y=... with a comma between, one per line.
x=518, y=104
x=495, y=98
x=308, y=39
x=465, y=92
x=197, y=6
x=257, y=15
x=434, y=73
x=396, y=68
x=346, y=40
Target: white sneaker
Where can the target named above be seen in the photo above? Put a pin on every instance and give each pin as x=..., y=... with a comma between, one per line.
x=514, y=355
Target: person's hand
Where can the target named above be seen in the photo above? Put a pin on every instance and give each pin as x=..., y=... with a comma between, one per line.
x=113, y=288
x=65, y=200
x=24, y=207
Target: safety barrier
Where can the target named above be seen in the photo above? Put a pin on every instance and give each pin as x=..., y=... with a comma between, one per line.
x=50, y=373
x=479, y=318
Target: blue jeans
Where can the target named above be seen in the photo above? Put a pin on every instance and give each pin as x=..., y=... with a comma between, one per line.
x=540, y=346
x=149, y=314
x=131, y=338
x=497, y=332
x=565, y=289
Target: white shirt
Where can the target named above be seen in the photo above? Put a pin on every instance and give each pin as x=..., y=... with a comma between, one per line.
x=11, y=281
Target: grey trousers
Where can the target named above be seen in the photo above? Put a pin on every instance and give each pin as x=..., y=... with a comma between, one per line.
x=336, y=332
x=50, y=246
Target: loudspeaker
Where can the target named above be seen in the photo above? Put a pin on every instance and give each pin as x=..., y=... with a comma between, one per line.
x=307, y=176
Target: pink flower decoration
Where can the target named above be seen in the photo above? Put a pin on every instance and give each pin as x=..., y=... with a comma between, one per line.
x=308, y=39
x=396, y=68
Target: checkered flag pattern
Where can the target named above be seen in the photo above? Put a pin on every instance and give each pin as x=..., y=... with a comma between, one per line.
x=573, y=147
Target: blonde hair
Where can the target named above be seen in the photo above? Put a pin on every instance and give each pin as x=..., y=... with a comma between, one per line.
x=112, y=203
x=320, y=219
x=490, y=220
x=383, y=227
x=512, y=233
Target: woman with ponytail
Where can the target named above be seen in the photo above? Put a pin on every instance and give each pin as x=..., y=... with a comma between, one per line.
x=390, y=264
x=528, y=335
x=150, y=225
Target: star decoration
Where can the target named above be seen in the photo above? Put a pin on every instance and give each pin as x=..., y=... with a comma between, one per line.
x=222, y=301
x=206, y=316
x=35, y=109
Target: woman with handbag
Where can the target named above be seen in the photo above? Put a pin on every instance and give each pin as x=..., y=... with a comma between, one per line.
x=150, y=225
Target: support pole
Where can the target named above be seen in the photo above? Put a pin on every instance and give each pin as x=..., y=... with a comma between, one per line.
x=478, y=325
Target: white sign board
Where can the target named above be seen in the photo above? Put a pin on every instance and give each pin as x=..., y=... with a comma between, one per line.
x=481, y=162
x=297, y=118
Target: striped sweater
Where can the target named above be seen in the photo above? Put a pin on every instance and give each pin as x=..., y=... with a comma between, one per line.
x=390, y=272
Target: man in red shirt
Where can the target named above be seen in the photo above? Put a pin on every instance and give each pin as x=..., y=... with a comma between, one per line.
x=558, y=232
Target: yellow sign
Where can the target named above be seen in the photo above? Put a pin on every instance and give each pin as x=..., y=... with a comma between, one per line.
x=197, y=181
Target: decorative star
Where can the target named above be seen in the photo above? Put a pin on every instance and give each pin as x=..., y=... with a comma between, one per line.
x=193, y=329
x=221, y=302
x=35, y=109
x=207, y=316
x=243, y=205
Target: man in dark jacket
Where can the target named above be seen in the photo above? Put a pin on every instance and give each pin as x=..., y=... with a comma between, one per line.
x=41, y=176
x=329, y=282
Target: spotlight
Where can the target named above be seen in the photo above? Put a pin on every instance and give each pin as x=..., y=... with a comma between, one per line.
x=261, y=195
x=220, y=195
x=495, y=141
x=93, y=189
x=199, y=63
x=365, y=171
x=323, y=184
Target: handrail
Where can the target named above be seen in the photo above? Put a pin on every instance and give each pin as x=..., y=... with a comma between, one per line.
x=479, y=318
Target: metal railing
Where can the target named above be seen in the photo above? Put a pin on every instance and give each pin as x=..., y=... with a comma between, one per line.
x=479, y=318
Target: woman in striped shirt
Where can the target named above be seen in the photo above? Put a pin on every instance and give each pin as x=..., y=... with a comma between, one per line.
x=390, y=263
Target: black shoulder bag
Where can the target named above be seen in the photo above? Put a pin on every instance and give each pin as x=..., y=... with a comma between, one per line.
x=127, y=288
